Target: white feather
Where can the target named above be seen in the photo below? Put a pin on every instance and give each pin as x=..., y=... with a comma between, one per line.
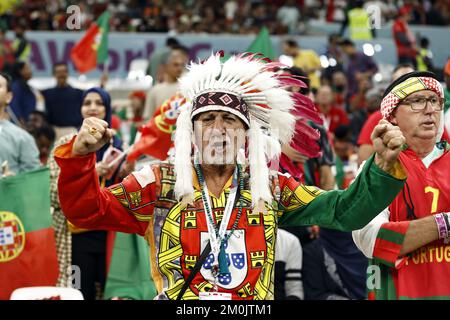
x=182, y=163
x=282, y=125
x=259, y=172
x=279, y=98
x=273, y=147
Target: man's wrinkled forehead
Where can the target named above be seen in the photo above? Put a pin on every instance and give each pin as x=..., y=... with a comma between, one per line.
x=216, y=113
x=213, y=113
x=422, y=93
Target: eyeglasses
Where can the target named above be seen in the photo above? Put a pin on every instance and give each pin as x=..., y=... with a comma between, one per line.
x=420, y=103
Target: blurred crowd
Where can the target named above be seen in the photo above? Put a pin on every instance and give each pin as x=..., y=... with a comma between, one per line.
x=212, y=16
x=345, y=94
x=312, y=263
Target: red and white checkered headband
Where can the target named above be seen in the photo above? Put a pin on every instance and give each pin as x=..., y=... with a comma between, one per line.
x=406, y=85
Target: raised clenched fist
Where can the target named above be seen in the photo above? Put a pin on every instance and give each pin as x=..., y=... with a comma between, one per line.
x=387, y=142
x=94, y=134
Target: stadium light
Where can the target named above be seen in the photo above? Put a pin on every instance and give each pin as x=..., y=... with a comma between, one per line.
x=324, y=61
x=377, y=77
x=332, y=62
x=148, y=80
x=368, y=49
x=286, y=60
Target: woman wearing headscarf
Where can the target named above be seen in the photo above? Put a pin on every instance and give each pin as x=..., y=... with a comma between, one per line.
x=82, y=248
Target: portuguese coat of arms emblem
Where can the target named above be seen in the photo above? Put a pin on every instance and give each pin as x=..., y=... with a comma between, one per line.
x=12, y=236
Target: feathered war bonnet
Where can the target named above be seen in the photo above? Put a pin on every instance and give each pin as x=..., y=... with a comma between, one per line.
x=247, y=86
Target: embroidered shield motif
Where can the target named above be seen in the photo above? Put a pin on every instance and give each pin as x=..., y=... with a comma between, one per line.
x=236, y=258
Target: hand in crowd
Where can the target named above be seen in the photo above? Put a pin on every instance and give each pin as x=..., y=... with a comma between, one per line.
x=94, y=134
x=387, y=141
x=5, y=170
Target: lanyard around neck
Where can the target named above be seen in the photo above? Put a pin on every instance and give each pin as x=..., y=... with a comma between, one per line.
x=217, y=235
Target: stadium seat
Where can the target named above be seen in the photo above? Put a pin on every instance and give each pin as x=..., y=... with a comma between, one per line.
x=46, y=293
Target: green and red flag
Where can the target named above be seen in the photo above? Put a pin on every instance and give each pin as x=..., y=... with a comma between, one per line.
x=156, y=139
x=27, y=241
x=92, y=49
x=129, y=273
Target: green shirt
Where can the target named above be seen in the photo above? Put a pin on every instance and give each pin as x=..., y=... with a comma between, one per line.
x=351, y=209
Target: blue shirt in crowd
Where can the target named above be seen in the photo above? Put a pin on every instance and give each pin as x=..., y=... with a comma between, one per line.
x=63, y=106
x=18, y=148
x=23, y=101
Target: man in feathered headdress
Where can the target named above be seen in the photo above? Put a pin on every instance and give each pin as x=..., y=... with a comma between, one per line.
x=211, y=217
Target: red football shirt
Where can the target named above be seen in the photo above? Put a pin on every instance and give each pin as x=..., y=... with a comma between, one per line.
x=366, y=131
x=335, y=118
x=428, y=188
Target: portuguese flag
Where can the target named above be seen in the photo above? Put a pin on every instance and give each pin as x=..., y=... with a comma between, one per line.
x=27, y=241
x=92, y=49
x=156, y=139
x=129, y=272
